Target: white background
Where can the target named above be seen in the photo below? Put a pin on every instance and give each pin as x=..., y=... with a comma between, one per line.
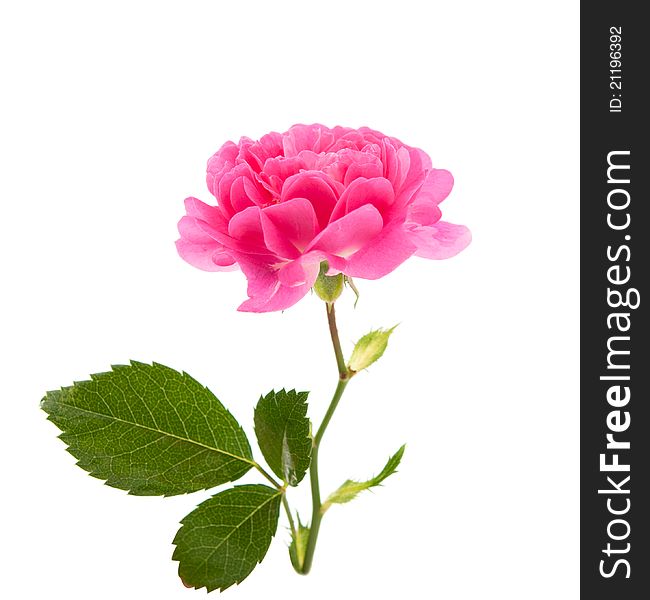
x=109, y=113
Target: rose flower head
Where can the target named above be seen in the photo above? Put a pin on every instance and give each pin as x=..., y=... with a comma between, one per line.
x=356, y=198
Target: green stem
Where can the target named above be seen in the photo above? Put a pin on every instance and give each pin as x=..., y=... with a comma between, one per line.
x=344, y=378
x=340, y=388
x=334, y=334
x=292, y=525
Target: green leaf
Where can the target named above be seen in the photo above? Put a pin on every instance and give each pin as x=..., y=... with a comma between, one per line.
x=298, y=546
x=222, y=540
x=150, y=430
x=349, y=490
x=283, y=433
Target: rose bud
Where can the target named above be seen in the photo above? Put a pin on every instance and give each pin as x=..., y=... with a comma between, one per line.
x=369, y=349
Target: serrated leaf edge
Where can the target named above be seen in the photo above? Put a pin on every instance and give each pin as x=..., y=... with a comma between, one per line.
x=115, y=367
x=285, y=459
x=236, y=582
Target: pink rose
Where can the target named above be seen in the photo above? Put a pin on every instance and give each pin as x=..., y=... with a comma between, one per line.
x=360, y=200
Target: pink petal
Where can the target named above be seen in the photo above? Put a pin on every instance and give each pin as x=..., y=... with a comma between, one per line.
x=318, y=188
x=383, y=254
x=222, y=160
x=365, y=165
x=211, y=214
x=265, y=290
x=225, y=187
x=302, y=271
x=349, y=233
x=423, y=213
x=373, y=136
x=256, y=192
x=204, y=213
x=378, y=192
x=437, y=186
x=256, y=153
x=246, y=227
x=442, y=240
x=419, y=166
x=238, y=197
x=245, y=154
x=423, y=160
x=289, y=226
x=191, y=230
x=307, y=137
x=403, y=167
x=250, y=245
x=270, y=144
x=209, y=256
x=275, y=241
x=393, y=163
x=281, y=168
x=281, y=298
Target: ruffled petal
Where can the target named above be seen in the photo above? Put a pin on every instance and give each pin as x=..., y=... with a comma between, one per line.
x=265, y=290
x=345, y=236
x=247, y=246
x=382, y=255
x=316, y=138
x=437, y=186
x=302, y=271
x=362, y=164
x=224, y=189
x=239, y=199
x=222, y=161
x=246, y=227
x=377, y=191
x=318, y=188
x=423, y=213
x=419, y=166
x=289, y=226
x=191, y=230
x=210, y=256
x=442, y=240
x=280, y=168
x=196, y=245
x=211, y=214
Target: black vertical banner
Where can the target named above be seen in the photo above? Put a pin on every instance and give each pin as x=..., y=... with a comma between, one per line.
x=615, y=268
